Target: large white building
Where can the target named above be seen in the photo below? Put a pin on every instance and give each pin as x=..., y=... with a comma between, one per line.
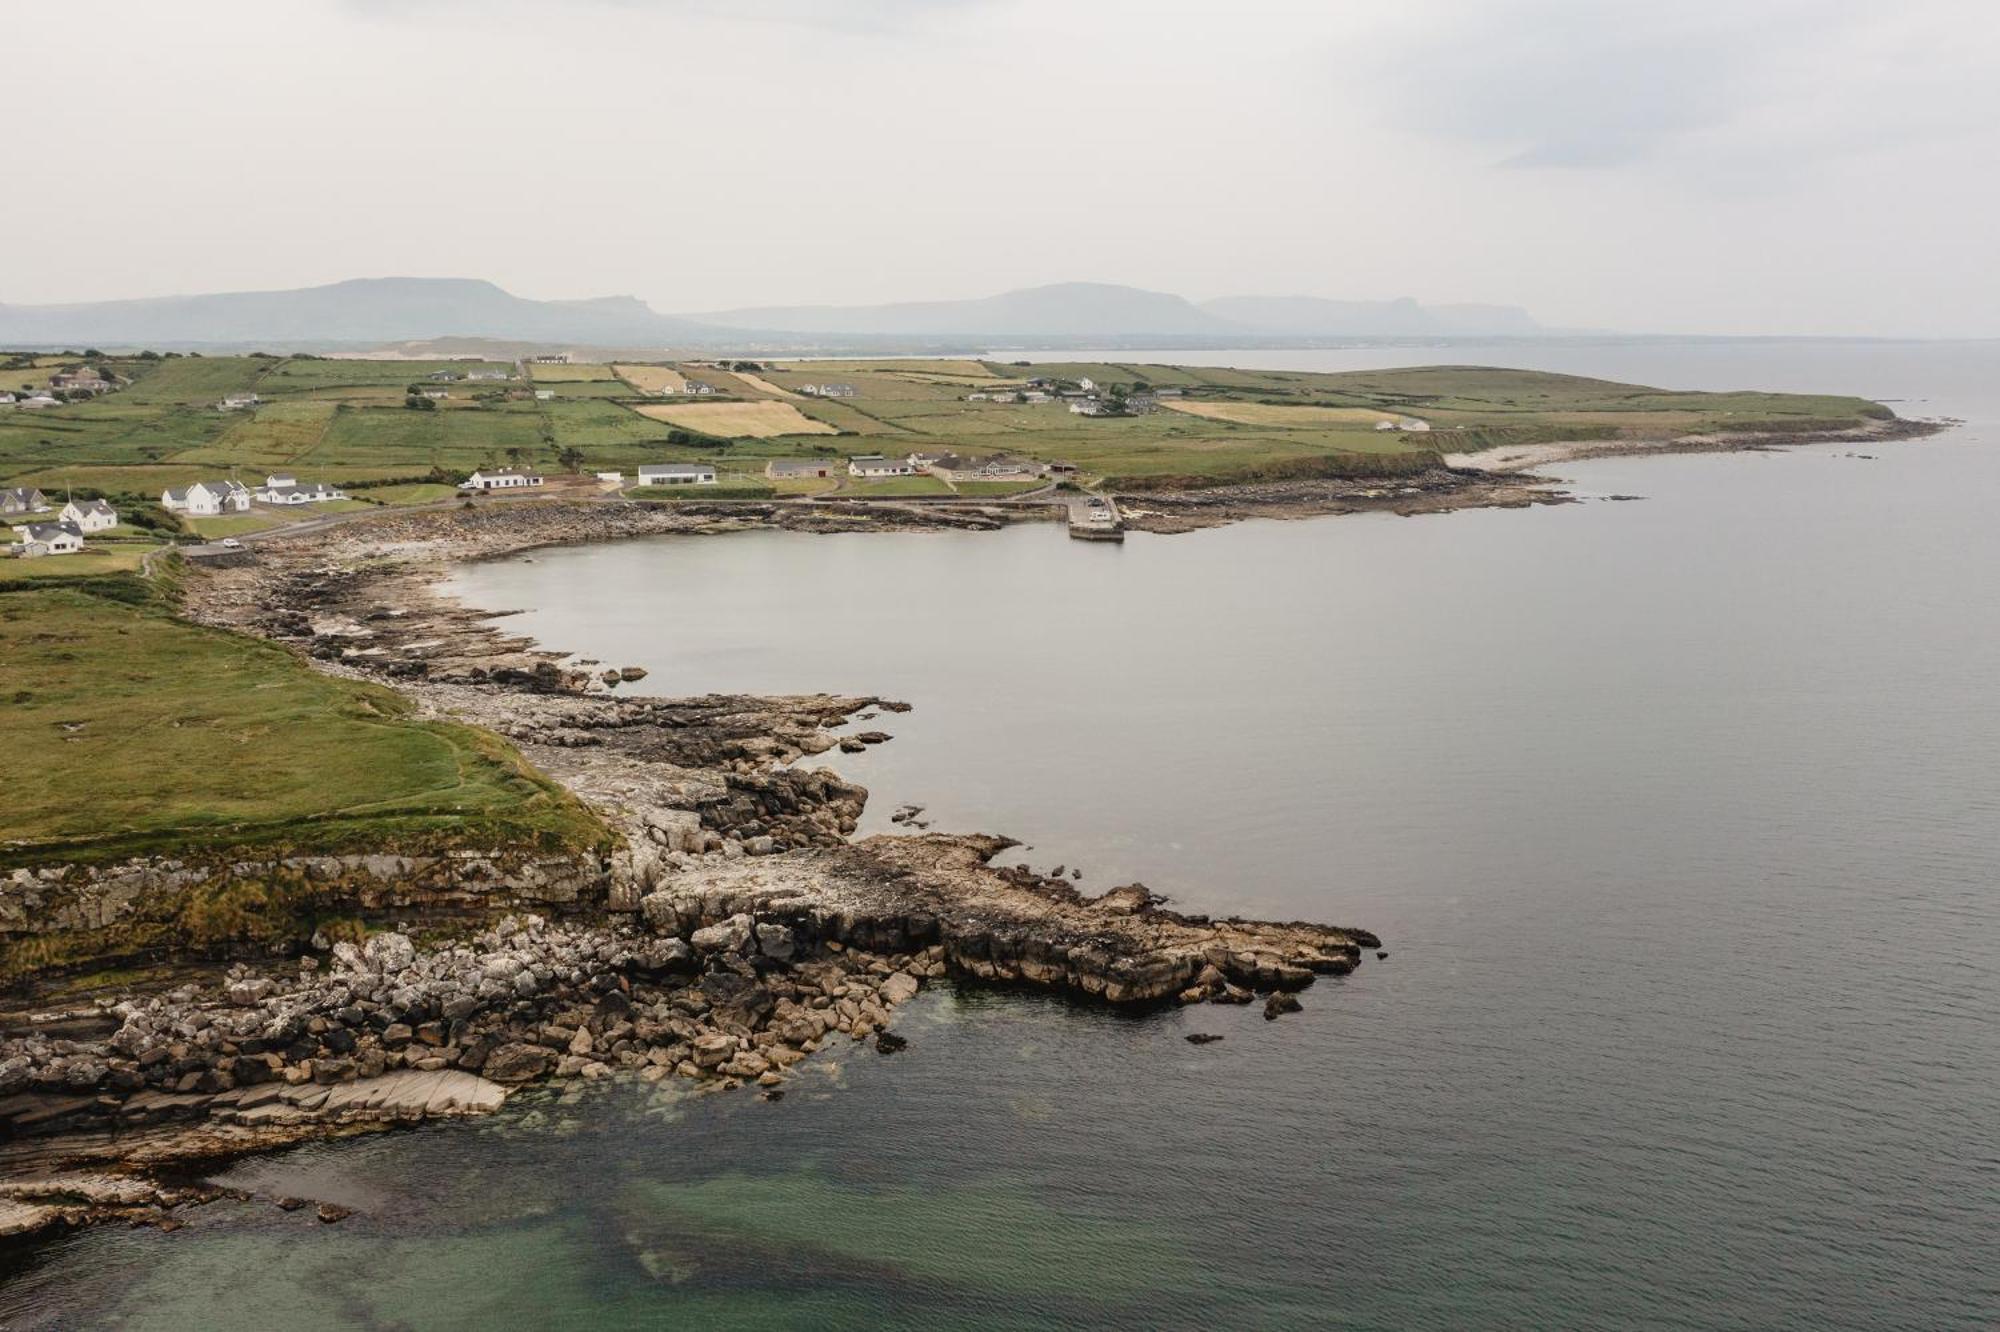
x=504, y=479
x=676, y=474
x=874, y=464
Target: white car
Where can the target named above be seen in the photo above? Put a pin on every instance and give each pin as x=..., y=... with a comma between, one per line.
x=231, y=543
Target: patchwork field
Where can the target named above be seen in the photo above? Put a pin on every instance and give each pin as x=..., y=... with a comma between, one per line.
x=651, y=378
x=345, y=419
x=761, y=420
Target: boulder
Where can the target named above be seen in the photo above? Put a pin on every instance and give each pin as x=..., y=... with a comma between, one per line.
x=517, y=1062
x=730, y=936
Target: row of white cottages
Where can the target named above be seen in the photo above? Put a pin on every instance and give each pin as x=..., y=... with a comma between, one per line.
x=65, y=535
x=206, y=499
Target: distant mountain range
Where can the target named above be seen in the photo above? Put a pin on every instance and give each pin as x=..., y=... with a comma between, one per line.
x=384, y=310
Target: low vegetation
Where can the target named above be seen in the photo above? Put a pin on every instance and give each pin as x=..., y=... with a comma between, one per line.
x=126, y=730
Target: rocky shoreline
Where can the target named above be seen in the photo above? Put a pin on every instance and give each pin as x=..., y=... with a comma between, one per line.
x=734, y=930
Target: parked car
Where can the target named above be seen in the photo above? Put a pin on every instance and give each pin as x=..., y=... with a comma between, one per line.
x=231, y=543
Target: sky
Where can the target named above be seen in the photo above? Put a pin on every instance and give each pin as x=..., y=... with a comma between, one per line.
x=1705, y=166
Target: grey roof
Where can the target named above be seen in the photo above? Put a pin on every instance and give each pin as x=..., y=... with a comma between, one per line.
x=94, y=506
x=49, y=531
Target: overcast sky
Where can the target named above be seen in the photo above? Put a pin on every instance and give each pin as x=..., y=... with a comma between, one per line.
x=1732, y=166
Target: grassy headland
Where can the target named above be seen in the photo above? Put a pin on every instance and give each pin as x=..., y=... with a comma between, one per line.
x=126, y=730
x=347, y=420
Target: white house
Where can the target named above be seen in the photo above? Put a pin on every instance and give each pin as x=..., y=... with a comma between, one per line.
x=1087, y=385
x=49, y=539
x=614, y=478
x=676, y=474
x=874, y=464
x=543, y=395
x=205, y=499
x=504, y=479
x=437, y=395
x=697, y=388
x=486, y=374
x=39, y=400
x=236, y=402
x=282, y=488
x=552, y=358
x=6, y=400
x=1409, y=423
x=90, y=515
x=1089, y=407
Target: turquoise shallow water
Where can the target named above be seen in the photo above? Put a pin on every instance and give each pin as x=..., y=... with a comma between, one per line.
x=1678, y=818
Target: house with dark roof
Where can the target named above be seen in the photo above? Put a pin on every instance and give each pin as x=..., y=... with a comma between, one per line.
x=23, y=499
x=48, y=539
x=89, y=515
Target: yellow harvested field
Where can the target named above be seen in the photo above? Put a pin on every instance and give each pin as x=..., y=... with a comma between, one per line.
x=651, y=378
x=569, y=374
x=1276, y=414
x=763, y=420
x=766, y=385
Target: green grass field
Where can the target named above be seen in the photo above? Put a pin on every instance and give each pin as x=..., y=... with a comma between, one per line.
x=93, y=560
x=172, y=737
x=895, y=485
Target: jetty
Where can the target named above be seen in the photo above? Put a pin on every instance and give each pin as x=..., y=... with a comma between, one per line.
x=1095, y=518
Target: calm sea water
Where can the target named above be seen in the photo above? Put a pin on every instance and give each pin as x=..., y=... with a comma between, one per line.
x=1680, y=818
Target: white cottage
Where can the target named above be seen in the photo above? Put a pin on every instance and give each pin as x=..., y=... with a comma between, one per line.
x=676, y=474
x=49, y=539
x=504, y=479
x=205, y=499
x=90, y=515
x=874, y=464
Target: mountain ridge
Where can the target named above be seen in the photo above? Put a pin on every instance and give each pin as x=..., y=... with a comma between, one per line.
x=406, y=309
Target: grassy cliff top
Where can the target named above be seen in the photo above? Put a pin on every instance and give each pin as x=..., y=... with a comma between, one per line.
x=126, y=731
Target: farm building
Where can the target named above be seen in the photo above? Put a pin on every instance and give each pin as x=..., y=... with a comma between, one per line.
x=615, y=478
x=779, y=469
x=437, y=395
x=38, y=400
x=1404, y=423
x=236, y=402
x=89, y=515
x=23, y=499
x=874, y=464
x=828, y=390
x=697, y=387
x=49, y=539
x=486, y=374
x=552, y=358
x=676, y=474
x=205, y=499
x=544, y=395
x=1089, y=407
x=504, y=479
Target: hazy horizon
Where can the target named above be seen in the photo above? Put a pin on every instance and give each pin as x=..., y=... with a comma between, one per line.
x=1769, y=167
